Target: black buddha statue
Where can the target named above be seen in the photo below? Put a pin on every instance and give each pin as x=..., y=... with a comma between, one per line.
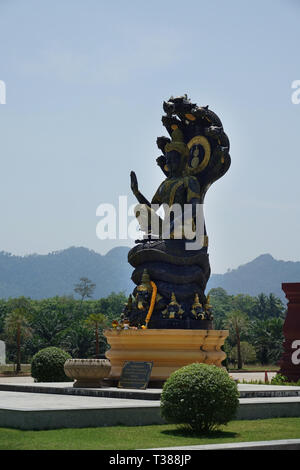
x=173, y=253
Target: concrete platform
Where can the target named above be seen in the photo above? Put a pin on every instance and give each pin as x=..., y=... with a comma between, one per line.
x=66, y=388
x=263, y=391
x=57, y=405
x=39, y=411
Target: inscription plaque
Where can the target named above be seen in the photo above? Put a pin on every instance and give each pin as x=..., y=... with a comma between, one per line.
x=135, y=375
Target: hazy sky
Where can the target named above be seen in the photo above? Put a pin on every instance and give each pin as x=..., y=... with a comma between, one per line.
x=85, y=81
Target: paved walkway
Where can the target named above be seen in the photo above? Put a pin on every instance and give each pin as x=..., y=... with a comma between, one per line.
x=40, y=401
x=246, y=376
x=16, y=380
x=284, y=444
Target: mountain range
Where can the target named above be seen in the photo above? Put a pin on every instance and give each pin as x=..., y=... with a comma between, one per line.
x=41, y=276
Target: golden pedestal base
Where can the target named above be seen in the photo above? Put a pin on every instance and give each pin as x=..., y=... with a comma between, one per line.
x=169, y=350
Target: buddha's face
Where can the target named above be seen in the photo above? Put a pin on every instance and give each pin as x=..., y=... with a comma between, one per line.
x=173, y=161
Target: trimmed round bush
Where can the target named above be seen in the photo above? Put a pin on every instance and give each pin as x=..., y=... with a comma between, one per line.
x=199, y=397
x=48, y=365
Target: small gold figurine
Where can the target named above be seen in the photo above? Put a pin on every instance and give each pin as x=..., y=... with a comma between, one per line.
x=197, y=309
x=143, y=292
x=173, y=310
x=208, y=309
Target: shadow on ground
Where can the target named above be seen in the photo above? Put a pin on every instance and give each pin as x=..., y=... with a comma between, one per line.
x=186, y=432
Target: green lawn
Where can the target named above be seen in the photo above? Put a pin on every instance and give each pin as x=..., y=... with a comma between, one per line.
x=9, y=369
x=143, y=437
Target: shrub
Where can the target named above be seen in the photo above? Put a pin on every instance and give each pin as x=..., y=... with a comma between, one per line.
x=280, y=379
x=200, y=397
x=48, y=365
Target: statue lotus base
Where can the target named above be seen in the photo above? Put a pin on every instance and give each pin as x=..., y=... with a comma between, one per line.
x=169, y=350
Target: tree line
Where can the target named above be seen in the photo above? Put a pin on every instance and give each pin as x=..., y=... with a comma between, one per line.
x=76, y=325
x=255, y=326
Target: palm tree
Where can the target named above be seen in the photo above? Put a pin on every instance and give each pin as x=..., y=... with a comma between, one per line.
x=77, y=340
x=96, y=320
x=275, y=307
x=237, y=321
x=267, y=338
x=16, y=328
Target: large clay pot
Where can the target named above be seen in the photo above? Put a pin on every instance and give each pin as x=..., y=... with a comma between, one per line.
x=87, y=373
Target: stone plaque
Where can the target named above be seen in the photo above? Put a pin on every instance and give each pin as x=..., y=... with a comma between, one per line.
x=135, y=375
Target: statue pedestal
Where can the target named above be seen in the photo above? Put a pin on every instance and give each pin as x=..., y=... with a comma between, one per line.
x=169, y=350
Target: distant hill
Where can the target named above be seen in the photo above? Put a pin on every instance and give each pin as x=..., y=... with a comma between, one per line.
x=41, y=276
x=263, y=274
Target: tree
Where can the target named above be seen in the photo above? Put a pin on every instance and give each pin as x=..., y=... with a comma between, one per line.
x=47, y=325
x=237, y=321
x=221, y=303
x=78, y=340
x=96, y=321
x=112, y=305
x=244, y=303
x=267, y=338
x=261, y=306
x=16, y=328
x=247, y=351
x=4, y=310
x=20, y=302
x=275, y=307
x=85, y=288
x=266, y=307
